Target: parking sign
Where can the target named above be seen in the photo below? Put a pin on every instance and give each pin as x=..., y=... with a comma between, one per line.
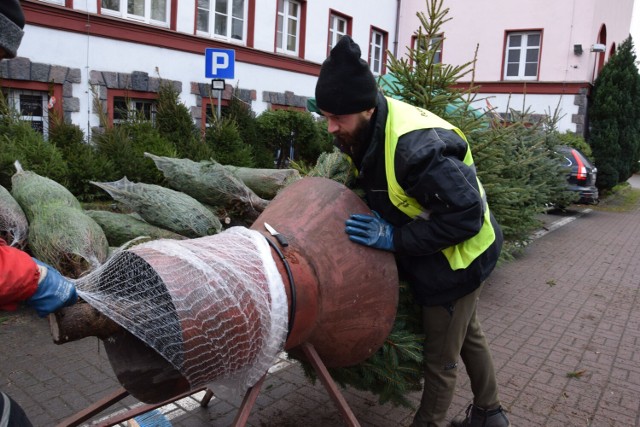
x=219, y=63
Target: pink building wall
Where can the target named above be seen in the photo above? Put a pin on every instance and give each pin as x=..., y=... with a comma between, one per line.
x=564, y=77
x=564, y=23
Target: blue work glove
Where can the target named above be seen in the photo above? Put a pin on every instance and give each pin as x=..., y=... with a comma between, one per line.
x=54, y=292
x=370, y=231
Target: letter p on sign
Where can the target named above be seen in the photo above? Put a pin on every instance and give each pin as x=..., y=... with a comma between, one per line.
x=219, y=63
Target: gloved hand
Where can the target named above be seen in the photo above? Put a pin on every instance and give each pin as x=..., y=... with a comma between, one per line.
x=54, y=291
x=370, y=231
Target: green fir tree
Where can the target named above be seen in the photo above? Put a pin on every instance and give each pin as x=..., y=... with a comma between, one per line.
x=614, y=118
x=174, y=122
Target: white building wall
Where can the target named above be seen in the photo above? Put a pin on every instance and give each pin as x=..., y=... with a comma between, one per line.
x=564, y=24
x=91, y=53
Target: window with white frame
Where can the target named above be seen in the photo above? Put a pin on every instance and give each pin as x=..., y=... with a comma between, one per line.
x=288, y=26
x=148, y=11
x=31, y=106
x=376, y=51
x=222, y=18
x=522, y=55
x=338, y=27
x=126, y=109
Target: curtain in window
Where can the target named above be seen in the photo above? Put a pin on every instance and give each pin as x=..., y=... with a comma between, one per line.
x=135, y=7
x=204, y=8
x=159, y=10
x=111, y=5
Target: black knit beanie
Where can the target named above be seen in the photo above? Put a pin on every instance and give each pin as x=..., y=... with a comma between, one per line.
x=346, y=85
x=11, y=25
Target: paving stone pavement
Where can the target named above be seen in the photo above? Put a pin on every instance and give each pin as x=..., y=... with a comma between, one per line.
x=562, y=321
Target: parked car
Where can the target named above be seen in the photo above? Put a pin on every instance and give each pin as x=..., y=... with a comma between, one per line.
x=582, y=175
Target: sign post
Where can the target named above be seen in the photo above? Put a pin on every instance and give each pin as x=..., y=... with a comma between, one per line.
x=217, y=86
x=219, y=65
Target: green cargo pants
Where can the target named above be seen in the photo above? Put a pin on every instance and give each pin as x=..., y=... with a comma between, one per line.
x=451, y=331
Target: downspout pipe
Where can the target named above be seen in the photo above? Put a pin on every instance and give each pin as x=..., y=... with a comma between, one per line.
x=395, y=42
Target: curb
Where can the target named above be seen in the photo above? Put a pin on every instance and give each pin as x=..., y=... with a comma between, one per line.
x=559, y=223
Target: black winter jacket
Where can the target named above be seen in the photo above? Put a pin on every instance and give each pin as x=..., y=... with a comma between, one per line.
x=429, y=167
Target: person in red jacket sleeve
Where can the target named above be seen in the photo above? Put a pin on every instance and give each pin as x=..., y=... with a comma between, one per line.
x=26, y=279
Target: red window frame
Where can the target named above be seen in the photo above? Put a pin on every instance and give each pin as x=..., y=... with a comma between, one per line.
x=54, y=89
x=125, y=93
x=213, y=102
x=275, y=107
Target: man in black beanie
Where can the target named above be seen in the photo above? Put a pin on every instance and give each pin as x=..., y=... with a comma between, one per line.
x=11, y=25
x=430, y=210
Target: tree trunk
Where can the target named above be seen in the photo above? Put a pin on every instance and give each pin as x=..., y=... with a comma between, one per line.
x=80, y=321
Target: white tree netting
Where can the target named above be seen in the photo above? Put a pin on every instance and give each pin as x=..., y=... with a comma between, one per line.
x=13, y=222
x=214, y=307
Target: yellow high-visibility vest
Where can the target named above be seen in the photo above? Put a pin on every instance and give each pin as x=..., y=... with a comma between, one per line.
x=403, y=118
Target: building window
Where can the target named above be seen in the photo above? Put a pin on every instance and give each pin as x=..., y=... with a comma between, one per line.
x=522, y=55
x=32, y=107
x=429, y=46
x=223, y=18
x=148, y=11
x=339, y=26
x=288, y=27
x=377, y=52
x=210, y=110
x=274, y=107
x=130, y=109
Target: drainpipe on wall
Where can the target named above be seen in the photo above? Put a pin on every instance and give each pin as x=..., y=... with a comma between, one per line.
x=395, y=42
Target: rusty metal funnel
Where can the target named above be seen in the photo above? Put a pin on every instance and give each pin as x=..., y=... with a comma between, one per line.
x=342, y=297
x=346, y=294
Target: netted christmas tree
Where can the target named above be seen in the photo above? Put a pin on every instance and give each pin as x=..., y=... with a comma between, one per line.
x=60, y=233
x=13, y=222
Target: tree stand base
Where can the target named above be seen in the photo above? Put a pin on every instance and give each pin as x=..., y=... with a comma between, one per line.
x=245, y=407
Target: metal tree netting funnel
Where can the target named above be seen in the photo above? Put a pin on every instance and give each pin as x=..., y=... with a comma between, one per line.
x=214, y=307
x=176, y=315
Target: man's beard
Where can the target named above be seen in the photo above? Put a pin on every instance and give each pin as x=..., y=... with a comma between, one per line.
x=356, y=141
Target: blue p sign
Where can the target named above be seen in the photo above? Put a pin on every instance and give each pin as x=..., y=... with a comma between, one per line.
x=219, y=63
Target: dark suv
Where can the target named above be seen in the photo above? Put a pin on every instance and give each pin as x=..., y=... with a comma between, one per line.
x=582, y=176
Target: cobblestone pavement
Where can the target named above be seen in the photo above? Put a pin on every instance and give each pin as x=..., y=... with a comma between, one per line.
x=562, y=321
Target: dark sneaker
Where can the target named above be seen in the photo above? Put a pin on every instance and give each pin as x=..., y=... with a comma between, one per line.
x=477, y=417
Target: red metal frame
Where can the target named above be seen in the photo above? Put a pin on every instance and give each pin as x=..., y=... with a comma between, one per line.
x=118, y=395
x=245, y=407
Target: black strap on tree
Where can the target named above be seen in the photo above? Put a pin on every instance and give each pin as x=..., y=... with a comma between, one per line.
x=292, y=287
